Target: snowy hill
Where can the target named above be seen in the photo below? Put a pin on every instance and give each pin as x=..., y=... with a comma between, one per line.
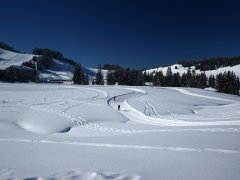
x=180, y=69
x=59, y=70
x=8, y=58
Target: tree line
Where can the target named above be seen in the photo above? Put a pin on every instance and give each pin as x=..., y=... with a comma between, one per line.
x=115, y=74
x=124, y=76
x=8, y=47
x=226, y=82
x=211, y=63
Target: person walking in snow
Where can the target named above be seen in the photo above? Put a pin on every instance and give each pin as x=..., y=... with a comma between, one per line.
x=114, y=98
x=119, y=107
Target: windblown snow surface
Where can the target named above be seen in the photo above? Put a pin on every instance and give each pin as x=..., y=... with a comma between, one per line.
x=76, y=132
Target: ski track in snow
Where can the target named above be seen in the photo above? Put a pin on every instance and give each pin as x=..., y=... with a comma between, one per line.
x=134, y=115
x=76, y=119
x=183, y=91
x=127, y=146
x=86, y=101
x=150, y=109
x=95, y=127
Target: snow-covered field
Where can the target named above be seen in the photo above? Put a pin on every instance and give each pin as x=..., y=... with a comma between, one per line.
x=76, y=132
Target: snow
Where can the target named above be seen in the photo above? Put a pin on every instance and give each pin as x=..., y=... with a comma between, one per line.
x=104, y=72
x=76, y=132
x=58, y=70
x=210, y=89
x=180, y=69
x=8, y=58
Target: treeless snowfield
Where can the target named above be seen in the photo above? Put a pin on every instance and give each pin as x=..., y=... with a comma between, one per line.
x=76, y=132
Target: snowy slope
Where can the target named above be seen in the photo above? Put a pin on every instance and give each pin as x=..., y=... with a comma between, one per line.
x=52, y=131
x=95, y=70
x=58, y=70
x=63, y=71
x=180, y=69
x=8, y=58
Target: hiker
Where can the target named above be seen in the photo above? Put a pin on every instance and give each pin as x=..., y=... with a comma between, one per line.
x=119, y=107
x=114, y=98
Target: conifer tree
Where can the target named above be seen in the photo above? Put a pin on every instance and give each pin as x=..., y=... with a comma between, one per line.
x=77, y=76
x=211, y=81
x=184, y=80
x=110, y=78
x=220, y=83
x=86, y=79
x=176, y=80
x=237, y=86
x=188, y=78
x=193, y=79
x=202, y=80
x=156, y=80
x=169, y=77
x=99, y=76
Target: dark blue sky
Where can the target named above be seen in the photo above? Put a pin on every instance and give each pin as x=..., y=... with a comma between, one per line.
x=131, y=33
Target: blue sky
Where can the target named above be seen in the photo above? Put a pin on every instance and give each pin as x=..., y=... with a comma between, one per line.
x=130, y=33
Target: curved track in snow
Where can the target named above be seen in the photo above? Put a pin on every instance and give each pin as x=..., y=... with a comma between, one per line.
x=137, y=116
